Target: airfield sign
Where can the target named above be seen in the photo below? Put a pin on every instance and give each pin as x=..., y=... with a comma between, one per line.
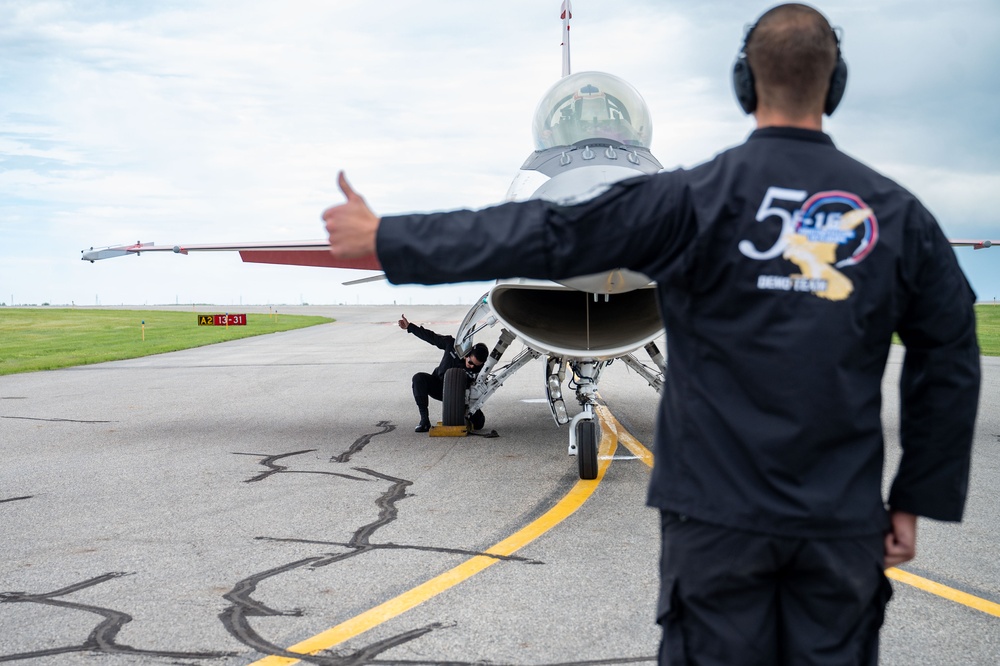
x=222, y=320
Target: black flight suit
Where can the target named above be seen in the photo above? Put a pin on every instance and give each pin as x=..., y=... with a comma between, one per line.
x=783, y=268
x=432, y=384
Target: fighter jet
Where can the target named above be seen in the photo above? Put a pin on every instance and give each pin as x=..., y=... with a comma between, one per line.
x=591, y=129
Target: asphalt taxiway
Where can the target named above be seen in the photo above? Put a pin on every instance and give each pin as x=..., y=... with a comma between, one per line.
x=266, y=500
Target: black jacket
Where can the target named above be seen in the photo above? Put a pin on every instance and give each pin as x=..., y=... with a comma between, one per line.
x=783, y=268
x=450, y=358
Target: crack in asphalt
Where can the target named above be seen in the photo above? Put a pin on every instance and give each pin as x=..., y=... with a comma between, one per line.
x=395, y=546
x=361, y=442
x=269, y=462
x=367, y=654
x=103, y=638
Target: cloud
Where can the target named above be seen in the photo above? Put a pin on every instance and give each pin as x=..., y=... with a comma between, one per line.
x=202, y=121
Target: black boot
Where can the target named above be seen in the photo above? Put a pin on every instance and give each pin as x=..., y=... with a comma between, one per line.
x=425, y=421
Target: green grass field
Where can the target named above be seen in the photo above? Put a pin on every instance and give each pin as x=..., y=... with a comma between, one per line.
x=988, y=329
x=48, y=338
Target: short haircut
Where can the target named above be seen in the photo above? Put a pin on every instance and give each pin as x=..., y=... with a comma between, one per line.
x=792, y=51
x=481, y=352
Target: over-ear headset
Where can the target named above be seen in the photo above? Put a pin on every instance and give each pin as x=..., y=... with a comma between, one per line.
x=747, y=96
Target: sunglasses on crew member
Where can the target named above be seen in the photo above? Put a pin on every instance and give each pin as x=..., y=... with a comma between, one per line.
x=472, y=362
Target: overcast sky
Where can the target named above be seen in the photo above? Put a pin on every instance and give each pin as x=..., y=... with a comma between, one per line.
x=196, y=121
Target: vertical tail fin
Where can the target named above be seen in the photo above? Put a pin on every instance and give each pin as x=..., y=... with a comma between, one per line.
x=566, y=15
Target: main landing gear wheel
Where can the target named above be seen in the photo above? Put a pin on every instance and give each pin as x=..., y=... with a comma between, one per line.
x=453, y=397
x=587, y=436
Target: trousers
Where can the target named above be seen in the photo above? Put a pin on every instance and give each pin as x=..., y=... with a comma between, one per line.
x=424, y=385
x=729, y=597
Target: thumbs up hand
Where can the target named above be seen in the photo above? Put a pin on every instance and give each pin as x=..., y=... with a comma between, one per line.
x=352, y=225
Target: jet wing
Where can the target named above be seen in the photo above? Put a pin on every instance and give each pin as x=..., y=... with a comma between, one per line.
x=306, y=253
x=974, y=244
x=296, y=253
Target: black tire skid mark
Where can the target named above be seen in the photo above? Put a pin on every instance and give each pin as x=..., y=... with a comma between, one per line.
x=103, y=638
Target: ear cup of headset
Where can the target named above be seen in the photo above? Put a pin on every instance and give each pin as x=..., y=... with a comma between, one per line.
x=746, y=96
x=838, y=84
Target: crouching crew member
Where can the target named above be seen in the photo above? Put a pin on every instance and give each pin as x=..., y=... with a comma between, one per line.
x=431, y=384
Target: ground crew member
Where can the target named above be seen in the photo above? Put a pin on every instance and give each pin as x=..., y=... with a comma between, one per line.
x=783, y=268
x=431, y=384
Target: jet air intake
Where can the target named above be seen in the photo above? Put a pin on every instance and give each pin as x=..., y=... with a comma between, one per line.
x=571, y=324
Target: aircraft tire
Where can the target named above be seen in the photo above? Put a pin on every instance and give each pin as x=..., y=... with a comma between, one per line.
x=587, y=436
x=453, y=397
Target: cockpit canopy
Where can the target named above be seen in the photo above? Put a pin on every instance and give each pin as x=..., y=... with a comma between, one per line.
x=591, y=105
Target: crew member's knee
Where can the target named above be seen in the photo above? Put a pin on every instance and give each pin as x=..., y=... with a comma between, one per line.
x=421, y=387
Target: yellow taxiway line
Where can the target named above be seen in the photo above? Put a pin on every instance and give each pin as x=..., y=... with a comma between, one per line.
x=959, y=597
x=373, y=617
x=626, y=439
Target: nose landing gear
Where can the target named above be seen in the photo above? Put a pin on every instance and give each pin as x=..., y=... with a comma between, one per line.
x=587, y=434
x=585, y=431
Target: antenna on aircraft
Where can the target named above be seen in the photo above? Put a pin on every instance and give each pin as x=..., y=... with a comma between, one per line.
x=567, y=14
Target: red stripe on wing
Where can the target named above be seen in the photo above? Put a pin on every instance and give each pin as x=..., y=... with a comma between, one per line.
x=309, y=258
